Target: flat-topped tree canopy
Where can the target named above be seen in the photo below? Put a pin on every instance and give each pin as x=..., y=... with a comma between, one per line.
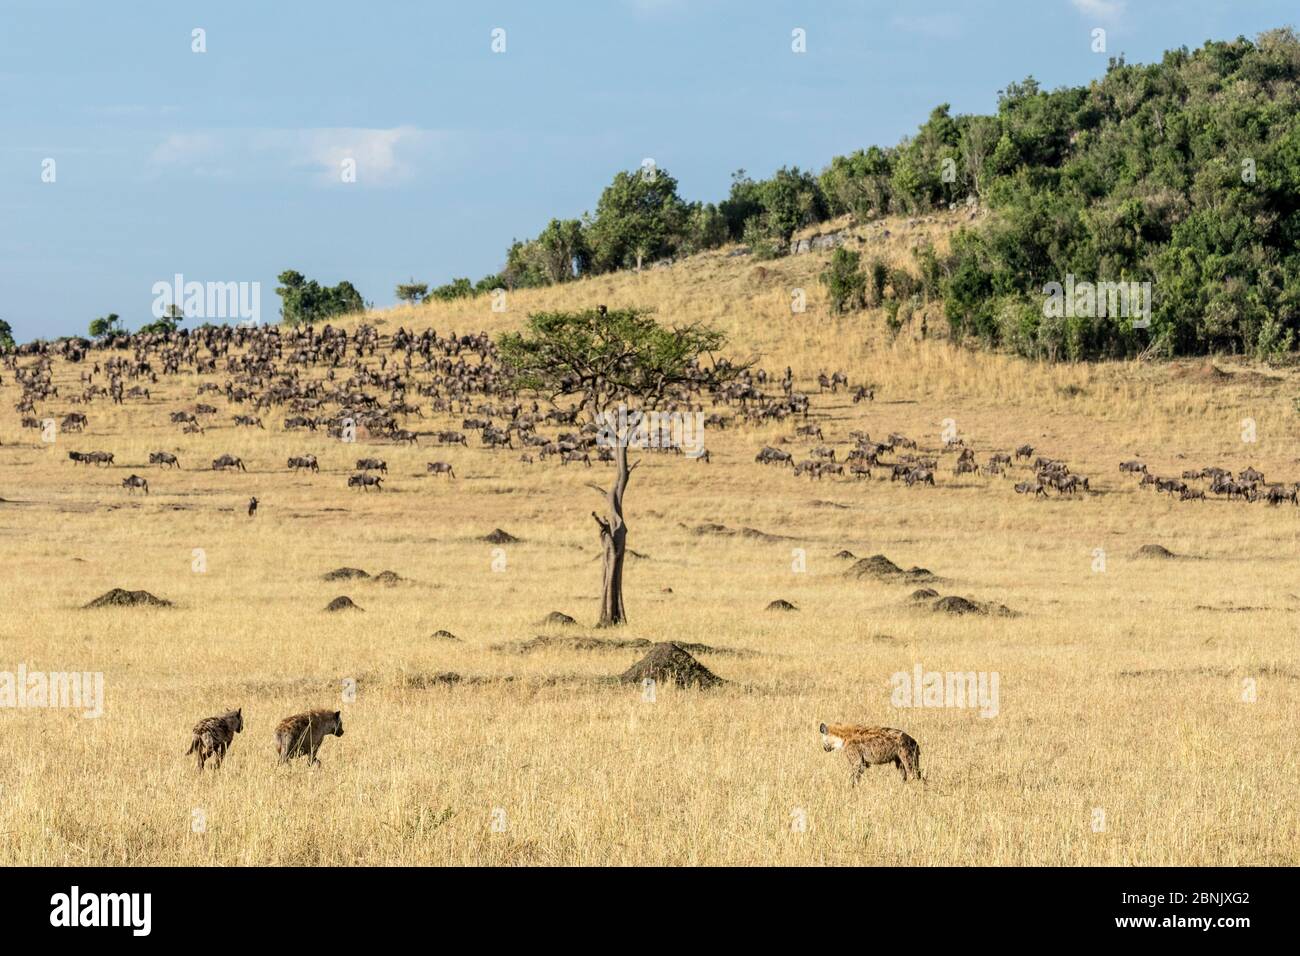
x=604, y=356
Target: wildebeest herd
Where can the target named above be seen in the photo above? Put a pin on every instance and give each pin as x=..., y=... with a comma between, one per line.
x=374, y=388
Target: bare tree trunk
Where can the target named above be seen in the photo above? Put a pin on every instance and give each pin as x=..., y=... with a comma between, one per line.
x=613, y=539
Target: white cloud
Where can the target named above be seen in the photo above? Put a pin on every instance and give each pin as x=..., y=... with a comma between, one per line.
x=382, y=156
x=1101, y=9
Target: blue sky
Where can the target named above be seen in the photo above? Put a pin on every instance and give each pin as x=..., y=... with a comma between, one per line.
x=225, y=165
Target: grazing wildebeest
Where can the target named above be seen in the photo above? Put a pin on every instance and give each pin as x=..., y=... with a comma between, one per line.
x=1024, y=451
x=401, y=435
x=1030, y=487
x=810, y=468
x=1276, y=494
x=228, y=461
x=73, y=422
x=305, y=461
x=98, y=458
x=575, y=456
x=248, y=421
x=441, y=468
x=1250, y=474
x=493, y=437
x=863, y=393
x=365, y=482
x=134, y=482
x=770, y=455
x=999, y=458
x=965, y=466
x=860, y=469
x=810, y=431
x=162, y=458
x=1171, y=485
x=451, y=438
x=1134, y=466
x=372, y=464
x=1188, y=494
x=919, y=476
x=823, y=451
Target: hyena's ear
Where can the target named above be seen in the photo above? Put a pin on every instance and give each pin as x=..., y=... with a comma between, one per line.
x=338, y=715
x=822, y=728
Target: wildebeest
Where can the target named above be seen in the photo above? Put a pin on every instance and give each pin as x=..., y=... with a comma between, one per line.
x=91, y=457
x=451, y=438
x=862, y=393
x=1250, y=474
x=304, y=461
x=441, y=468
x=575, y=456
x=1030, y=487
x=1024, y=451
x=366, y=482
x=134, y=482
x=1134, y=466
x=228, y=461
x=73, y=422
x=770, y=455
x=302, y=734
x=372, y=464
x=252, y=506
x=410, y=438
x=163, y=458
x=248, y=421
x=919, y=476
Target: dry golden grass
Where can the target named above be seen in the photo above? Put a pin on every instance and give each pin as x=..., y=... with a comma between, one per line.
x=1119, y=690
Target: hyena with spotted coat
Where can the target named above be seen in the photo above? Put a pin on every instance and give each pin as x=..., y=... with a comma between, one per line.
x=302, y=734
x=864, y=746
x=213, y=736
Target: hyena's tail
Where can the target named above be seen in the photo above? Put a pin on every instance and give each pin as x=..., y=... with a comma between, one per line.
x=194, y=745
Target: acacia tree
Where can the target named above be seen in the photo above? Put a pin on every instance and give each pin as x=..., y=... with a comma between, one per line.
x=618, y=364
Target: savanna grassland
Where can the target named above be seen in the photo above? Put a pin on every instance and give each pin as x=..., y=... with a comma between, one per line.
x=1121, y=689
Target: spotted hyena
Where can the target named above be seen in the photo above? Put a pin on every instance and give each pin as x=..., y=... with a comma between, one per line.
x=213, y=735
x=302, y=734
x=864, y=746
